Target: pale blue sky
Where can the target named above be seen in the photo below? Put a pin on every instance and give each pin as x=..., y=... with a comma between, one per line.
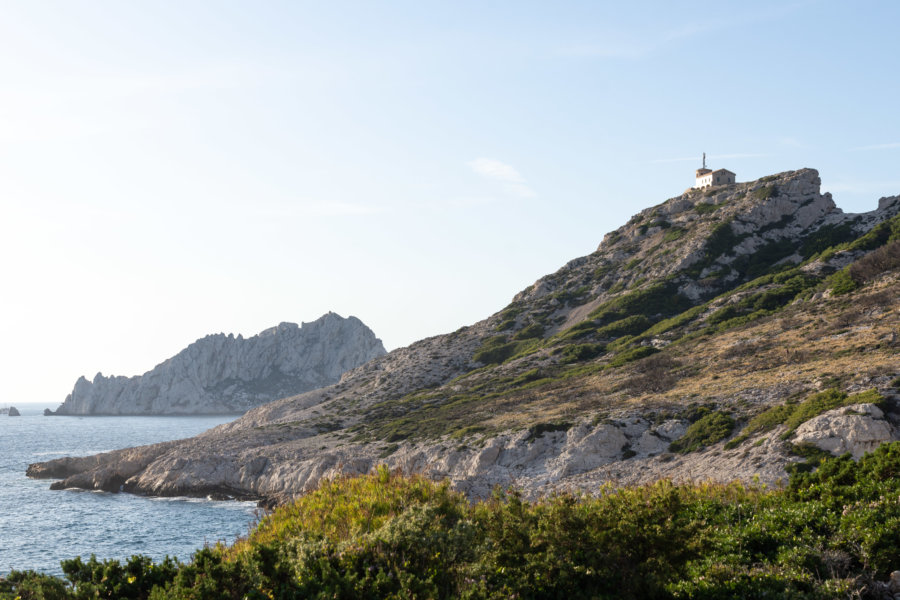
x=172, y=169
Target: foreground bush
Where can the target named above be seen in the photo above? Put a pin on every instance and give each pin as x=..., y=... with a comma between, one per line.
x=831, y=533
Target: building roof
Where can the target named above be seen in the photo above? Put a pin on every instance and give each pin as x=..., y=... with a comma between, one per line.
x=723, y=171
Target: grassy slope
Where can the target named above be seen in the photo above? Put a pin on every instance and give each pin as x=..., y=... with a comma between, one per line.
x=786, y=328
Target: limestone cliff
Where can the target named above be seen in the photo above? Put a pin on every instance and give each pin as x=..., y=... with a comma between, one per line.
x=717, y=305
x=222, y=374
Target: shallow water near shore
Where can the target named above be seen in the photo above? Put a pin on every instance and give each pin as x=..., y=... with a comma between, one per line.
x=40, y=527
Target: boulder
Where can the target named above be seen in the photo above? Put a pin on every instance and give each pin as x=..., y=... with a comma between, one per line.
x=856, y=429
x=13, y=412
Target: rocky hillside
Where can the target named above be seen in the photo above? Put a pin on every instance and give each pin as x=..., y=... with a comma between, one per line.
x=222, y=374
x=734, y=332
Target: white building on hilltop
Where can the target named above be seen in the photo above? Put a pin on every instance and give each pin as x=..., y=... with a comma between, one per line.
x=708, y=177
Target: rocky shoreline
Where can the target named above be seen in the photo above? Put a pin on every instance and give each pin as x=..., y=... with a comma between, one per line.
x=629, y=451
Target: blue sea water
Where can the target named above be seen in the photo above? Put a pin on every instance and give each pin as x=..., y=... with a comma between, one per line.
x=40, y=527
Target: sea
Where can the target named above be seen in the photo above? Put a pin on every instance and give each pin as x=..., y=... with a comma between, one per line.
x=40, y=527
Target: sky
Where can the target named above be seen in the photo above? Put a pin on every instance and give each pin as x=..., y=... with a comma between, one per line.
x=172, y=169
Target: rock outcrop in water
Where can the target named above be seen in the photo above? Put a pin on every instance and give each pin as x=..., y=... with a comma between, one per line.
x=688, y=322
x=222, y=374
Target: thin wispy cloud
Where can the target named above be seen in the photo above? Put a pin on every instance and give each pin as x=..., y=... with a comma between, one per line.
x=507, y=175
x=889, y=146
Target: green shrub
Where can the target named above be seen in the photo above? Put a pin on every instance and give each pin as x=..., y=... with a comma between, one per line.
x=25, y=585
x=878, y=261
x=567, y=296
x=632, y=355
x=676, y=233
x=708, y=430
x=135, y=580
x=765, y=421
x=705, y=208
x=505, y=325
x=764, y=193
x=763, y=260
x=631, y=264
x=813, y=455
x=841, y=283
x=602, y=271
x=539, y=429
x=580, y=352
x=780, y=296
x=825, y=237
x=579, y=330
x=497, y=349
x=535, y=330
x=825, y=401
x=721, y=240
x=676, y=321
x=652, y=301
x=828, y=535
x=725, y=313
x=627, y=326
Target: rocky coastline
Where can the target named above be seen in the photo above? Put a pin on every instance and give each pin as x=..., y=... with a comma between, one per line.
x=548, y=396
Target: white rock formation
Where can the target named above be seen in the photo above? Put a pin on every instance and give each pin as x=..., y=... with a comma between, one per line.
x=226, y=374
x=856, y=429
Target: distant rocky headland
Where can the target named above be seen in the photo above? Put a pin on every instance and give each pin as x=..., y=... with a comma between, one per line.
x=224, y=374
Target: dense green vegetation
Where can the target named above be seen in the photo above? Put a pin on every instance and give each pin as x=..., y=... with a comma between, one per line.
x=831, y=533
x=497, y=349
x=793, y=414
x=706, y=431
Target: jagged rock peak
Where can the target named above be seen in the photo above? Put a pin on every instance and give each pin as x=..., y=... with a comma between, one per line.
x=222, y=373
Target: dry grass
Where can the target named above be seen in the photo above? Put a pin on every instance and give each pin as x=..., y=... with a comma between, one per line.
x=789, y=353
x=845, y=339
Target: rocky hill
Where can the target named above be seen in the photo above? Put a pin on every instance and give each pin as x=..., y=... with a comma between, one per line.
x=734, y=332
x=223, y=374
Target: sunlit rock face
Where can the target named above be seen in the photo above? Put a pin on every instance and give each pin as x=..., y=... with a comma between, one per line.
x=222, y=374
x=855, y=429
